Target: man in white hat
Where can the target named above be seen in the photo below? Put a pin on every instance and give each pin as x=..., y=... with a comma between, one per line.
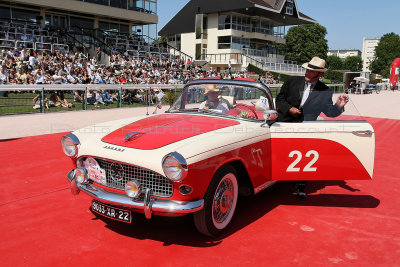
x=213, y=100
x=305, y=98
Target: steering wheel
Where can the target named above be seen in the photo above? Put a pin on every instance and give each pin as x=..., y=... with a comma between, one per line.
x=243, y=107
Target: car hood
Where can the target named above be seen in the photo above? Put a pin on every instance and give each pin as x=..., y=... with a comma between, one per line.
x=159, y=131
x=195, y=136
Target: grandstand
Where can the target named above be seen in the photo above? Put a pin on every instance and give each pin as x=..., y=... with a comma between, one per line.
x=86, y=43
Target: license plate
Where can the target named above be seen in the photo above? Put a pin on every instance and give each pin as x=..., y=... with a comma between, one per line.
x=112, y=212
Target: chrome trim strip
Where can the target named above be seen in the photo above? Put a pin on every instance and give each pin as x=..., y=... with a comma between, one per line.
x=181, y=161
x=156, y=205
x=74, y=138
x=366, y=133
x=263, y=186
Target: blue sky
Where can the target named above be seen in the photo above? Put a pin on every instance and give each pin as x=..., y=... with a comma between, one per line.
x=347, y=21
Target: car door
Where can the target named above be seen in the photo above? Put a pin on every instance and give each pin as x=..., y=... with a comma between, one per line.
x=322, y=150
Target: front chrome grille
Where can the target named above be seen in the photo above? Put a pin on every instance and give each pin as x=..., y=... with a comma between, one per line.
x=118, y=174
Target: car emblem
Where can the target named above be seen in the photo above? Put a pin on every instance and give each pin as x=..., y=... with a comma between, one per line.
x=116, y=172
x=132, y=136
x=114, y=148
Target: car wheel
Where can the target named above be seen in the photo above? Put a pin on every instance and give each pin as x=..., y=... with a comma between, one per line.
x=219, y=203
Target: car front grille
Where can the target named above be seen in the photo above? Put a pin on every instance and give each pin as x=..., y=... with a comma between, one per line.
x=118, y=174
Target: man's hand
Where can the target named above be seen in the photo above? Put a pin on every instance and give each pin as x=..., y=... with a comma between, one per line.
x=342, y=101
x=295, y=112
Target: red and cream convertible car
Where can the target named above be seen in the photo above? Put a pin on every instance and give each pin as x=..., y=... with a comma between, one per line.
x=218, y=140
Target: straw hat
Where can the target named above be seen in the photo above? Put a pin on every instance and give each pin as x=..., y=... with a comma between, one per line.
x=211, y=88
x=316, y=64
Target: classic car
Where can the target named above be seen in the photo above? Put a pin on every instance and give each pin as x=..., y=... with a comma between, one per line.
x=219, y=140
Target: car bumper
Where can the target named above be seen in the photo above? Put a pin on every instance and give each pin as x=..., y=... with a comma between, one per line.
x=148, y=204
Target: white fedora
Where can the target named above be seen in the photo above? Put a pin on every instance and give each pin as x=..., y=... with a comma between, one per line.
x=316, y=64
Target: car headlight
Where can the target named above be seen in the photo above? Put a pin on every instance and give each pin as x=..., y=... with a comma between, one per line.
x=175, y=166
x=70, y=144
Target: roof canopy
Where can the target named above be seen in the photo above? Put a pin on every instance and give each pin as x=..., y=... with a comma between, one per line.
x=184, y=22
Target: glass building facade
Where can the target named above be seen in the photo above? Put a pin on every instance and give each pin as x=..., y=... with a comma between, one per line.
x=74, y=20
x=248, y=24
x=146, y=6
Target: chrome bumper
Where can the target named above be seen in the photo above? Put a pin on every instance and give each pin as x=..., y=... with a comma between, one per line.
x=148, y=205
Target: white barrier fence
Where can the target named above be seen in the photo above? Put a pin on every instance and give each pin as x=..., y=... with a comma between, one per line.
x=42, y=98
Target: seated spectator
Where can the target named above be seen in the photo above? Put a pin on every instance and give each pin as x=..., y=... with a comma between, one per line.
x=97, y=77
x=12, y=78
x=53, y=99
x=99, y=97
x=137, y=97
x=58, y=78
x=4, y=75
x=107, y=97
x=62, y=101
x=91, y=98
x=71, y=78
x=77, y=96
x=126, y=97
x=122, y=79
x=37, y=101
x=21, y=76
x=40, y=78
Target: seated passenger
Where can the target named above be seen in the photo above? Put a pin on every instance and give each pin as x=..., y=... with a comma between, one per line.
x=213, y=100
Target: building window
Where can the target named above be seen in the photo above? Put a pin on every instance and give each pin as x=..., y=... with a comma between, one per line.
x=24, y=15
x=99, y=2
x=224, y=42
x=119, y=3
x=232, y=42
x=146, y=6
x=5, y=13
x=81, y=23
x=124, y=28
x=289, y=7
x=224, y=22
x=243, y=23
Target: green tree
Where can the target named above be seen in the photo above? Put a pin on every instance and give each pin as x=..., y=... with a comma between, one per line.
x=334, y=62
x=305, y=42
x=353, y=63
x=386, y=51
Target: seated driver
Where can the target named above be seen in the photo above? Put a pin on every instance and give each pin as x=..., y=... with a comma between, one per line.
x=213, y=100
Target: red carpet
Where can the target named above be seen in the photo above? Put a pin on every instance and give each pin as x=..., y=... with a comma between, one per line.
x=353, y=223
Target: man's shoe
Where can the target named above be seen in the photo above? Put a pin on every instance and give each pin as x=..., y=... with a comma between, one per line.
x=301, y=195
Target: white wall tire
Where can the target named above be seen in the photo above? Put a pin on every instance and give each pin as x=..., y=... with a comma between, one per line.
x=220, y=203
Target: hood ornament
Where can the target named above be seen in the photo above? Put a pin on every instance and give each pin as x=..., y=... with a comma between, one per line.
x=132, y=136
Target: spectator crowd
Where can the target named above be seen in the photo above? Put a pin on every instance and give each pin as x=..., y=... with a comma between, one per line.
x=26, y=66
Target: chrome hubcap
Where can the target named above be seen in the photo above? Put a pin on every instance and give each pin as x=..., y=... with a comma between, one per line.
x=223, y=200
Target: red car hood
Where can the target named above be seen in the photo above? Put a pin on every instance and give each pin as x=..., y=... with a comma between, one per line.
x=158, y=131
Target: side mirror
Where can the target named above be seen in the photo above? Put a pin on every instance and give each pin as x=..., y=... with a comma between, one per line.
x=270, y=115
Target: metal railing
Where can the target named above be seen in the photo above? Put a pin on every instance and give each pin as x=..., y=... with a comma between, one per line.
x=19, y=99
x=243, y=59
x=47, y=98
x=12, y=44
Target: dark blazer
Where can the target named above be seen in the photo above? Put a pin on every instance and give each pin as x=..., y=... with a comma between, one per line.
x=319, y=100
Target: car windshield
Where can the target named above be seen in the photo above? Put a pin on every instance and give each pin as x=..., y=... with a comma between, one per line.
x=249, y=102
x=231, y=100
